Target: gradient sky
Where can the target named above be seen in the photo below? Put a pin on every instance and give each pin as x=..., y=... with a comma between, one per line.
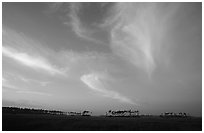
x=101, y=56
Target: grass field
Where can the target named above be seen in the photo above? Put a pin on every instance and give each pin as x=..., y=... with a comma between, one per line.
x=47, y=122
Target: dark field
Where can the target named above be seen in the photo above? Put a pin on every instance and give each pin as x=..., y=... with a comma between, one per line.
x=47, y=122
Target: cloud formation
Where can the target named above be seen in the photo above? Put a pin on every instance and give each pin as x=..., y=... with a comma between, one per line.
x=93, y=81
x=13, y=83
x=38, y=56
x=137, y=30
x=30, y=61
x=75, y=21
x=34, y=93
x=6, y=84
x=78, y=25
x=53, y=7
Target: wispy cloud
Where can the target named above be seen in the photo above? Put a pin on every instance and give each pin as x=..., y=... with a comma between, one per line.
x=72, y=17
x=137, y=31
x=28, y=80
x=31, y=53
x=75, y=21
x=53, y=7
x=93, y=81
x=3, y=79
x=7, y=85
x=30, y=61
x=34, y=93
x=78, y=26
x=36, y=55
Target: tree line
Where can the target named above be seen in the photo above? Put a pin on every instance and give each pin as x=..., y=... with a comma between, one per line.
x=110, y=113
x=18, y=110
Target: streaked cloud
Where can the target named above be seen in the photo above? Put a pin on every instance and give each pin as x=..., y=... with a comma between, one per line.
x=32, y=53
x=34, y=93
x=7, y=85
x=44, y=83
x=29, y=81
x=131, y=37
x=77, y=25
x=36, y=55
x=53, y=7
x=137, y=30
x=30, y=61
x=75, y=21
x=94, y=82
x=3, y=79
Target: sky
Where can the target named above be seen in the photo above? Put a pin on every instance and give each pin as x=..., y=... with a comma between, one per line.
x=102, y=56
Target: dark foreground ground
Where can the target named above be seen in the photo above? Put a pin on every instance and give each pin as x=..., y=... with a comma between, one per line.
x=47, y=122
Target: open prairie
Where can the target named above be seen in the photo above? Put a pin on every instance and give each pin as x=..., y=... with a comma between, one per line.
x=47, y=122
